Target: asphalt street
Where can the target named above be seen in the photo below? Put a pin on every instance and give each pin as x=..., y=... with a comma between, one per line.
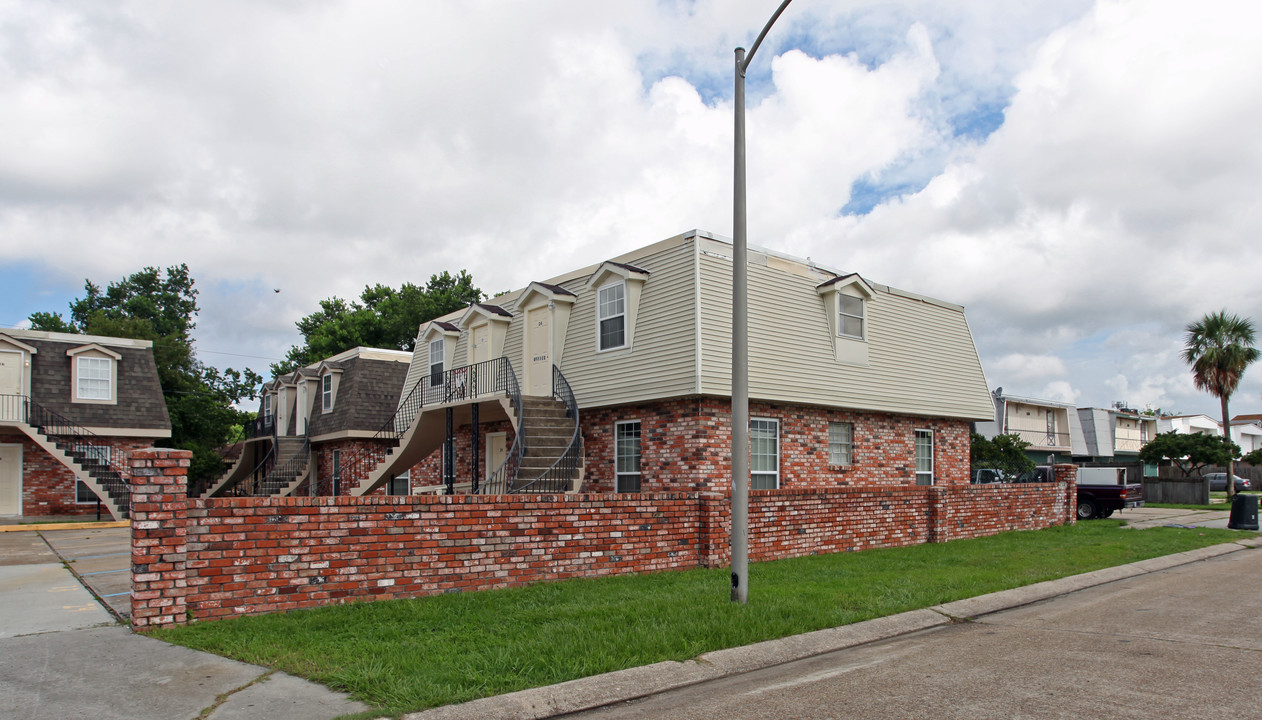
x=1180, y=643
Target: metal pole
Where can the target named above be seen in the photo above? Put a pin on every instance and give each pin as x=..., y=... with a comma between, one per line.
x=740, y=353
x=740, y=332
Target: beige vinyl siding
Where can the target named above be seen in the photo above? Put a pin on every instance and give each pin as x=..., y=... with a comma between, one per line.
x=661, y=361
x=921, y=357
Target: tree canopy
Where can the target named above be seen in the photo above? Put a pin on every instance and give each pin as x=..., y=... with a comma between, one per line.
x=162, y=307
x=1189, y=452
x=1219, y=347
x=382, y=318
x=1004, y=452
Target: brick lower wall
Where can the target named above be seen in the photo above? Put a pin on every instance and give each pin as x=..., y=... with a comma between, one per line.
x=209, y=558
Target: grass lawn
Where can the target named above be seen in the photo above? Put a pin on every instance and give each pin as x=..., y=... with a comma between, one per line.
x=1218, y=501
x=406, y=655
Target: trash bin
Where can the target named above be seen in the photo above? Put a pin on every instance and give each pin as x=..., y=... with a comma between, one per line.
x=1244, y=512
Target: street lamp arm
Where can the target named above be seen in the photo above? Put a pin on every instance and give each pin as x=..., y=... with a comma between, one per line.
x=750, y=55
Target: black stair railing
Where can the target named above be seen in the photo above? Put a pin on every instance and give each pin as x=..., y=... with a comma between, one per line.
x=500, y=481
x=560, y=475
x=284, y=472
x=470, y=382
x=104, y=463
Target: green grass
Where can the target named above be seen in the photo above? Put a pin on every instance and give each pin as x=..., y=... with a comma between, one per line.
x=405, y=655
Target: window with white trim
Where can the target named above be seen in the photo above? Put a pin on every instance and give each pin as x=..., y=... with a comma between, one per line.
x=924, y=457
x=851, y=322
x=840, y=443
x=95, y=377
x=326, y=391
x=611, y=301
x=400, y=484
x=436, y=351
x=268, y=399
x=764, y=454
x=627, y=456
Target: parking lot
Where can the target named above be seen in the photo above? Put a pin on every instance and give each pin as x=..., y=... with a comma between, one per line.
x=102, y=561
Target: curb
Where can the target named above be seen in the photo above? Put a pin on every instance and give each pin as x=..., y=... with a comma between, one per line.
x=624, y=685
x=35, y=527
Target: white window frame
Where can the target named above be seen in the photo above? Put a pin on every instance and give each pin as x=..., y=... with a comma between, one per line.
x=923, y=474
x=775, y=476
x=862, y=316
x=621, y=313
x=840, y=452
x=404, y=477
x=624, y=477
x=85, y=373
x=103, y=452
x=268, y=414
x=326, y=392
x=440, y=346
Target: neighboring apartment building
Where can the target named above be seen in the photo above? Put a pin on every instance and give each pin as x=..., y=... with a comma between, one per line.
x=1189, y=424
x=71, y=409
x=1051, y=428
x=617, y=378
x=313, y=417
x=1114, y=434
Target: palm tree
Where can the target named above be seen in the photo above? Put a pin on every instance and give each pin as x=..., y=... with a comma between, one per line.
x=1219, y=347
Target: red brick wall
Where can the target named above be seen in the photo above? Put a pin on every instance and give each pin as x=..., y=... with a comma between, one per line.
x=207, y=558
x=685, y=445
x=48, y=485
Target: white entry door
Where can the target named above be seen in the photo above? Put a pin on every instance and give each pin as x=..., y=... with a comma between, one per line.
x=10, y=385
x=481, y=335
x=539, y=347
x=496, y=451
x=10, y=479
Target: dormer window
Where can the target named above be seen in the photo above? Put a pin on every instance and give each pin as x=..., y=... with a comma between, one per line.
x=618, y=288
x=94, y=371
x=852, y=318
x=326, y=391
x=612, y=305
x=437, y=350
x=268, y=399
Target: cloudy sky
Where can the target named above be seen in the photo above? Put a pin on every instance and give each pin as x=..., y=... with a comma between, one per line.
x=1084, y=177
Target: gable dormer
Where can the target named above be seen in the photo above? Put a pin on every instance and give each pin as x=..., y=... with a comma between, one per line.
x=436, y=346
x=618, y=287
x=487, y=326
x=330, y=379
x=846, y=299
x=93, y=374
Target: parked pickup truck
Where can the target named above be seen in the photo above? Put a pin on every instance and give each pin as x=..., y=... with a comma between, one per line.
x=1103, y=490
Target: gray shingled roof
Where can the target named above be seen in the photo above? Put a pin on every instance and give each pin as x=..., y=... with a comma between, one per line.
x=140, y=401
x=367, y=394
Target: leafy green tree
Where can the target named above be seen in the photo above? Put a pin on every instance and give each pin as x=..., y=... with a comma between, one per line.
x=162, y=307
x=1190, y=452
x=382, y=318
x=1254, y=458
x=1219, y=347
x=1005, y=453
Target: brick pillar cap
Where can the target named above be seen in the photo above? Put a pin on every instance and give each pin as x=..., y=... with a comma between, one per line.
x=150, y=453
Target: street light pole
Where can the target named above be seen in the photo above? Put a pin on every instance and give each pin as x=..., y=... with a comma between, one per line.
x=740, y=333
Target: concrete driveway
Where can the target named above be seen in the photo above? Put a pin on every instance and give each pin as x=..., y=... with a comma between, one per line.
x=62, y=655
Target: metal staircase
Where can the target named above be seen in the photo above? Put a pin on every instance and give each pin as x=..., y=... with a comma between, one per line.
x=94, y=462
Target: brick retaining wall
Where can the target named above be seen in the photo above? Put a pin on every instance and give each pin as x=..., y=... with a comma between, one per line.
x=208, y=558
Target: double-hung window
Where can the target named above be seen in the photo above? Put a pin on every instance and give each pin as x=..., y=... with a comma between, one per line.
x=627, y=456
x=94, y=377
x=399, y=484
x=326, y=391
x=611, y=302
x=840, y=443
x=852, y=317
x=764, y=454
x=436, y=351
x=924, y=457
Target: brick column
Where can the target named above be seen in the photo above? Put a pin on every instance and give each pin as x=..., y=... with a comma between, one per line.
x=159, y=523
x=1068, y=474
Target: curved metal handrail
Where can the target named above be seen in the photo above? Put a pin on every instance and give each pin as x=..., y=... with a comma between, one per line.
x=500, y=482
x=558, y=476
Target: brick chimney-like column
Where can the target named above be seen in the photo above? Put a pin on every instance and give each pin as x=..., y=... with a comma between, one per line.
x=159, y=525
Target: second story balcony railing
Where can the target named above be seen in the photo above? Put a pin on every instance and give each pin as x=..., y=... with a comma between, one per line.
x=1043, y=438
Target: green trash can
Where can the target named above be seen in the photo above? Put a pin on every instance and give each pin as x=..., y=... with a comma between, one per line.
x=1244, y=512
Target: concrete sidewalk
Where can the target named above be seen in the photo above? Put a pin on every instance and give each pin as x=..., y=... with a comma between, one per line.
x=62, y=655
